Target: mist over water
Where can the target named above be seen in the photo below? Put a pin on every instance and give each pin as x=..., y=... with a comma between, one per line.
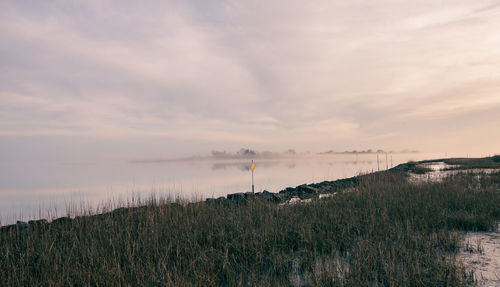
x=30, y=190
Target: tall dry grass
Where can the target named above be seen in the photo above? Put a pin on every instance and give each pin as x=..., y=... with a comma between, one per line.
x=385, y=232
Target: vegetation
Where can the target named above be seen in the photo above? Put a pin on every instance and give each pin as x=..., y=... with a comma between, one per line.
x=383, y=232
x=415, y=168
x=471, y=163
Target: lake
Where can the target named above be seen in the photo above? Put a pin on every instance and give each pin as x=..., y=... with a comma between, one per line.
x=30, y=190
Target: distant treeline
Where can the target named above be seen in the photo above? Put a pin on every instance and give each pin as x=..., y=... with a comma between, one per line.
x=368, y=151
x=246, y=152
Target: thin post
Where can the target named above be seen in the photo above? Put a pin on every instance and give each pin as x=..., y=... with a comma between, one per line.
x=253, y=188
x=386, y=162
x=378, y=165
x=391, y=162
x=252, y=167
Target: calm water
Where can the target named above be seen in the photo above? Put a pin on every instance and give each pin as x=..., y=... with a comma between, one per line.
x=30, y=190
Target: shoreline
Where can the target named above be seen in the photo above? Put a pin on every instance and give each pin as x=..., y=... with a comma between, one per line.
x=307, y=192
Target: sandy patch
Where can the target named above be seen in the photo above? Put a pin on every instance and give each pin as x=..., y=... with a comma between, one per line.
x=480, y=252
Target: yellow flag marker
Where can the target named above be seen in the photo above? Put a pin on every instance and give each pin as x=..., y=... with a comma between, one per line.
x=253, y=166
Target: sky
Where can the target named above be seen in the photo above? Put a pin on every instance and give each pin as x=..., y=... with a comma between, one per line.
x=127, y=79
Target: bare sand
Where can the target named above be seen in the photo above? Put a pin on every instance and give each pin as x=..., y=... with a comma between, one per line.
x=480, y=252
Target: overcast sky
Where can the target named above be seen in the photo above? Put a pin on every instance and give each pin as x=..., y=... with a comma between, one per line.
x=171, y=78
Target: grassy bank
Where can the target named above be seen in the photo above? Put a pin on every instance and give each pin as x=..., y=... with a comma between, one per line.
x=383, y=232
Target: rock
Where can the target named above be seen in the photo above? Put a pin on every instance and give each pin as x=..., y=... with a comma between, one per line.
x=38, y=222
x=215, y=200
x=248, y=195
x=61, y=220
x=287, y=192
x=306, y=191
x=21, y=225
x=269, y=196
x=236, y=197
x=7, y=228
x=120, y=210
x=308, y=187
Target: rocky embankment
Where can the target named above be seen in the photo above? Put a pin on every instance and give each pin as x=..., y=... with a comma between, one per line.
x=301, y=192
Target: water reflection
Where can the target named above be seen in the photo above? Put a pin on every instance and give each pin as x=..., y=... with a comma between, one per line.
x=245, y=166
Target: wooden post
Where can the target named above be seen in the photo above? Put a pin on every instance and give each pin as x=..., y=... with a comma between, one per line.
x=252, y=167
x=378, y=165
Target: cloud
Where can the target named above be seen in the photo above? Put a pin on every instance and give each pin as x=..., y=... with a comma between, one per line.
x=309, y=75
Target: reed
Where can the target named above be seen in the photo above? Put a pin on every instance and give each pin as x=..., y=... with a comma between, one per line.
x=385, y=232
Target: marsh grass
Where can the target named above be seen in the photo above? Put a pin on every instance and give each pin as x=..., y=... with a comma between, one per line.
x=384, y=233
x=412, y=167
x=492, y=162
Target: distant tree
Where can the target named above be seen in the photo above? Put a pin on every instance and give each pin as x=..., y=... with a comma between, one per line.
x=216, y=153
x=246, y=152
